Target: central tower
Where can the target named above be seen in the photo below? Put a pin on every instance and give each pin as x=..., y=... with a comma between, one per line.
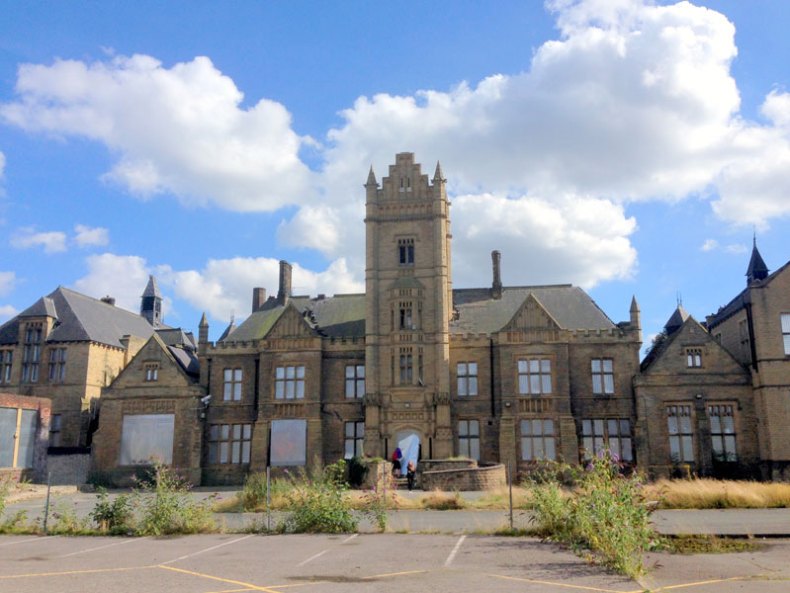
x=408, y=309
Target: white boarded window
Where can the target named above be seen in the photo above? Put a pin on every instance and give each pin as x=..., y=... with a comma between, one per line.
x=602, y=376
x=355, y=381
x=289, y=382
x=534, y=376
x=355, y=439
x=722, y=432
x=231, y=388
x=146, y=438
x=289, y=442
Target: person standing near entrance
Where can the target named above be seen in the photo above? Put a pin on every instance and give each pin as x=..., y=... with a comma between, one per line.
x=397, y=455
x=411, y=473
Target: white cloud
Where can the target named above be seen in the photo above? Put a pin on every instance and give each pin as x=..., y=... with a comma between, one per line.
x=224, y=287
x=710, y=245
x=86, y=236
x=7, y=312
x=7, y=282
x=714, y=245
x=178, y=129
x=123, y=277
x=2, y=165
x=28, y=238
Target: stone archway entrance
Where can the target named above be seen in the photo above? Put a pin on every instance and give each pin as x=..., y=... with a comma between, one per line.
x=409, y=443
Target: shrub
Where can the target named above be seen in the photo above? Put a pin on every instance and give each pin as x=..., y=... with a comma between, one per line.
x=166, y=506
x=357, y=472
x=606, y=515
x=66, y=522
x=253, y=494
x=318, y=504
x=5, y=488
x=113, y=516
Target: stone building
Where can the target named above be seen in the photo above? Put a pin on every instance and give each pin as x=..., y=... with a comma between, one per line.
x=67, y=347
x=755, y=327
x=514, y=374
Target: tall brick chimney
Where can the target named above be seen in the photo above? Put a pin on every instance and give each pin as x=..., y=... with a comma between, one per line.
x=284, y=291
x=258, y=298
x=496, y=285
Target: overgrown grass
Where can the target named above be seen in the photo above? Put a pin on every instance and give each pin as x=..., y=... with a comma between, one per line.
x=606, y=515
x=718, y=494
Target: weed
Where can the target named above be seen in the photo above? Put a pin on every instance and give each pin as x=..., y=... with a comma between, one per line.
x=606, y=515
x=66, y=522
x=318, y=504
x=443, y=501
x=113, y=516
x=166, y=506
x=708, y=544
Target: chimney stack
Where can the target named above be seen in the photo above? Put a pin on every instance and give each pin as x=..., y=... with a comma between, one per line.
x=496, y=285
x=258, y=298
x=284, y=291
x=109, y=300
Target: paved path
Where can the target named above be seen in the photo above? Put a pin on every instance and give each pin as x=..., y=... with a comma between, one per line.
x=375, y=563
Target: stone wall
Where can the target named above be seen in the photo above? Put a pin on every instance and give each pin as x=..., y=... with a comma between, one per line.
x=464, y=478
x=68, y=466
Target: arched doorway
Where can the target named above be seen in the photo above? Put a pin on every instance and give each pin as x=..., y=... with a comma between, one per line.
x=409, y=443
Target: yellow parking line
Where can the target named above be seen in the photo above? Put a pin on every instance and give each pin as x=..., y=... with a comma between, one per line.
x=249, y=586
x=394, y=574
x=700, y=583
x=68, y=572
x=566, y=585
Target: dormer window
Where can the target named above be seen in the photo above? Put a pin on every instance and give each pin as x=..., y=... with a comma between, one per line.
x=406, y=252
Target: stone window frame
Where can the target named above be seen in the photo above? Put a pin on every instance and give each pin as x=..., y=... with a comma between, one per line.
x=723, y=434
x=602, y=375
x=57, y=365
x=469, y=438
x=406, y=252
x=289, y=381
x=694, y=357
x=681, y=432
x=6, y=364
x=613, y=434
x=232, y=381
x=466, y=378
x=31, y=353
x=151, y=370
x=535, y=376
x=229, y=444
x=355, y=381
x=405, y=366
x=538, y=434
x=354, y=438
x=784, y=322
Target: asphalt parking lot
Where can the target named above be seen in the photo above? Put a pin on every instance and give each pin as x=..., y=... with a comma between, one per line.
x=360, y=562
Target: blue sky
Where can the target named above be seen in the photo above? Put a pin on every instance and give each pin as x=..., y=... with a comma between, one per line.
x=628, y=147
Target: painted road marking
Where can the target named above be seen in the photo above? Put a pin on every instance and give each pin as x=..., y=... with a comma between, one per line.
x=248, y=586
x=238, y=539
x=24, y=541
x=72, y=572
x=457, y=547
x=566, y=585
x=121, y=543
x=322, y=552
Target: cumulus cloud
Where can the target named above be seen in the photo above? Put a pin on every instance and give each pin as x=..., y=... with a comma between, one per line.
x=178, y=129
x=224, y=286
x=86, y=236
x=7, y=312
x=122, y=277
x=7, y=282
x=50, y=241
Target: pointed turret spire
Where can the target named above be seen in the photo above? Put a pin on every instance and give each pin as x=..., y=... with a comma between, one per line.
x=203, y=331
x=677, y=320
x=757, y=269
x=438, y=175
x=371, y=179
x=151, y=305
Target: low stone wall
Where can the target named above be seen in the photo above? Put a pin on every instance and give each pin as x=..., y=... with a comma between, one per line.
x=464, y=478
x=431, y=465
x=68, y=466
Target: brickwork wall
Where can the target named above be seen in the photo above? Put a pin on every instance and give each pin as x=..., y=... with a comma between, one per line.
x=44, y=408
x=464, y=479
x=70, y=469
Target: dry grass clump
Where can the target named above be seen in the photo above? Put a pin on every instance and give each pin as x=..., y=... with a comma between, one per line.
x=437, y=500
x=718, y=494
x=499, y=498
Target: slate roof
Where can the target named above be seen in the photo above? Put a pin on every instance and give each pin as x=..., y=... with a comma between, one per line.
x=344, y=315
x=187, y=359
x=80, y=318
x=177, y=337
x=570, y=306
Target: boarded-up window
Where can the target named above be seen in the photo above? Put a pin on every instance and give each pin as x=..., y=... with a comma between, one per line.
x=17, y=437
x=146, y=438
x=289, y=442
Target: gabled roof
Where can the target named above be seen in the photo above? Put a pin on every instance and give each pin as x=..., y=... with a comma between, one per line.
x=676, y=320
x=80, y=318
x=43, y=307
x=340, y=316
x=569, y=306
x=187, y=360
x=176, y=336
